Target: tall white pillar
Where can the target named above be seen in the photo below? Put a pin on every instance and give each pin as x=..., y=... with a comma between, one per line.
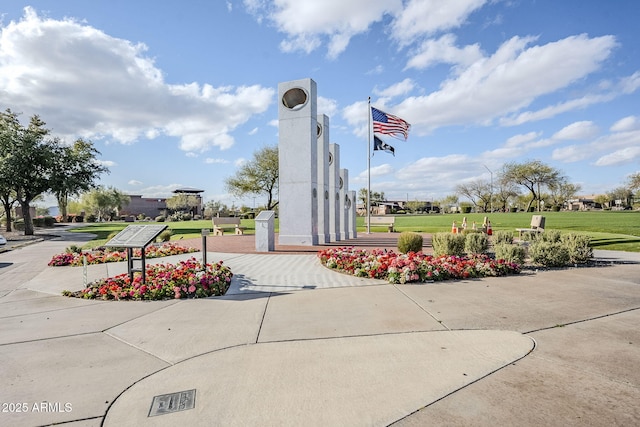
x=344, y=201
x=298, y=163
x=334, y=193
x=353, y=232
x=323, y=179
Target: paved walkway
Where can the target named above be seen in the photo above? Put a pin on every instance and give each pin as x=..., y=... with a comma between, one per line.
x=293, y=343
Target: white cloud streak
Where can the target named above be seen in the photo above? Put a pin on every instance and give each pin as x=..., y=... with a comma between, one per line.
x=112, y=89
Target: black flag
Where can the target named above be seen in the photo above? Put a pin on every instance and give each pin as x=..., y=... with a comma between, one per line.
x=380, y=145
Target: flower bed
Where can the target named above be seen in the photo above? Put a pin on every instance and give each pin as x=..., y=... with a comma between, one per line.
x=186, y=279
x=413, y=267
x=102, y=255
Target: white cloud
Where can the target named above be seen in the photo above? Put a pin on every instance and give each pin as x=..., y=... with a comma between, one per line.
x=628, y=123
x=327, y=106
x=212, y=161
x=112, y=89
x=159, y=191
x=107, y=163
x=443, y=50
x=619, y=157
x=582, y=130
x=571, y=153
x=376, y=171
x=134, y=182
x=240, y=161
x=420, y=17
x=309, y=23
x=253, y=131
x=554, y=110
x=398, y=89
x=512, y=78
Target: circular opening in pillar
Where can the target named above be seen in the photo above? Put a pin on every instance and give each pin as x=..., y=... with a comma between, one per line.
x=319, y=130
x=330, y=158
x=315, y=193
x=347, y=202
x=326, y=195
x=341, y=183
x=295, y=99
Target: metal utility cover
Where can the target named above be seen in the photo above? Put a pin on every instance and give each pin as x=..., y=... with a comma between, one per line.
x=173, y=402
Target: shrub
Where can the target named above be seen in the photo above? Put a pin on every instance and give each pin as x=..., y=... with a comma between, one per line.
x=160, y=218
x=579, y=247
x=476, y=243
x=186, y=217
x=551, y=236
x=141, y=217
x=548, y=254
x=510, y=253
x=448, y=244
x=91, y=218
x=165, y=236
x=502, y=236
x=409, y=241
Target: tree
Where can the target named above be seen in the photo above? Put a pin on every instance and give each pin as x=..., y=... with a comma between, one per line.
x=376, y=197
x=213, y=208
x=478, y=192
x=183, y=202
x=75, y=170
x=27, y=158
x=560, y=192
x=103, y=202
x=504, y=194
x=533, y=175
x=258, y=176
x=633, y=181
x=623, y=194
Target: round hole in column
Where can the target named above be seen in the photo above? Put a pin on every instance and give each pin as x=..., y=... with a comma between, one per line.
x=341, y=183
x=295, y=98
x=326, y=195
x=315, y=193
x=319, y=130
x=330, y=158
x=347, y=202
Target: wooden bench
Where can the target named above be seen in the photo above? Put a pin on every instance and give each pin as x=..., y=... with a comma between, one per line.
x=537, y=226
x=222, y=223
x=387, y=221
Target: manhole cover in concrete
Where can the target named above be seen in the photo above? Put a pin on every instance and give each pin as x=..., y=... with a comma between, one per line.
x=173, y=402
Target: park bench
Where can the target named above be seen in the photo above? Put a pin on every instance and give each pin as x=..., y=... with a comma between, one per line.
x=537, y=226
x=222, y=223
x=387, y=221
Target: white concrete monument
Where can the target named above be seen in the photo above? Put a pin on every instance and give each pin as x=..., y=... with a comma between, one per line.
x=334, y=193
x=323, y=179
x=353, y=233
x=298, y=163
x=344, y=202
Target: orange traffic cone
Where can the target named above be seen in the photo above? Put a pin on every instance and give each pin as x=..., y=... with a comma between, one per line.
x=489, y=230
x=454, y=228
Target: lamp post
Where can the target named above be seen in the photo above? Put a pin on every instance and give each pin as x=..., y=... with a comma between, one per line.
x=491, y=191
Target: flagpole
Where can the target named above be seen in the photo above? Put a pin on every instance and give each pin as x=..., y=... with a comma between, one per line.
x=369, y=169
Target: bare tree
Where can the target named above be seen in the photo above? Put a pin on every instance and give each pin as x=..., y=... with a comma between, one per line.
x=478, y=192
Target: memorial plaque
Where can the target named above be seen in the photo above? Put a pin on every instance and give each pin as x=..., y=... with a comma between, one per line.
x=173, y=402
x=136, y=236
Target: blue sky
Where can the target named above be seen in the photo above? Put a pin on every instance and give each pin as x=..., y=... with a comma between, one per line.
x=178, y=94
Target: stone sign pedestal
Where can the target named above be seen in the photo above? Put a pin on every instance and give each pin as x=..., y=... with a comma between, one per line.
x=265, y=231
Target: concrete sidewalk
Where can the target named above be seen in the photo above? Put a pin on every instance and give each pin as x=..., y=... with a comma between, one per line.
x=293, y=343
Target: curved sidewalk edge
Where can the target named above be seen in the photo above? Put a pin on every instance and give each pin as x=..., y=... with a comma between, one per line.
x=364, y=380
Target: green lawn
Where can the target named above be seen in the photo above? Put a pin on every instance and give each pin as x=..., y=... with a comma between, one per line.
x=614, y=230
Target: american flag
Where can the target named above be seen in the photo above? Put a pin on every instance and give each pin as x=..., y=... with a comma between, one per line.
x=388, y=124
